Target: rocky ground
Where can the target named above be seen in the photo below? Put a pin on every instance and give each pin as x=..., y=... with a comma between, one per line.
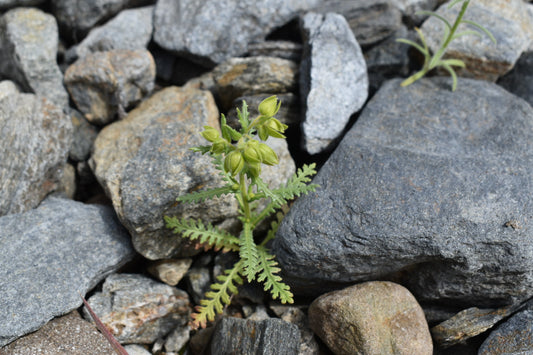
x=418, y=241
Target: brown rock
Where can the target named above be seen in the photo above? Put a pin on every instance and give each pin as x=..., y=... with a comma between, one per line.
x=371, y=318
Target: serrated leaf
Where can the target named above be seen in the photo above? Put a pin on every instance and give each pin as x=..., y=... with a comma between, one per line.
x=200, y=196
x=268, y=275
x=248, y=252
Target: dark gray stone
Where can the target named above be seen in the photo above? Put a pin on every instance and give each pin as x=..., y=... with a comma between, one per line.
x=269, y=336
x=281, y=49
x=199, y=282
x=36, y=137
x=333, y=79
x=49, y=256
x=409, y=9
x=83, y=136
x=28, y=49
x=428, y=185
x=7, y=4
x=519, y=81
x=194, y=27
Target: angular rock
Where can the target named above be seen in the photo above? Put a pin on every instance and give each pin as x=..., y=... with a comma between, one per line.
x=270, y=336
x=130, y=29
x=199, y=282
x=7, y=4
x=371, y=318
x=144, y=163
x=332, y=60
x=67, y=185
x=105, y=84
x=371, y=21
x=83, y=137
x=427, y=183
x=33, y=150
x=238, y=77
x=67, y=335
x=80, y=16
x=7, y=87
x=508, y=21
x=49, y=256
x=193, y=27
x=170, y=271
x=28, y=49
x=280, y=49
x=137, y=309
x=177, y=339
x=519, y=80
x=514, y=336
x=134, y=349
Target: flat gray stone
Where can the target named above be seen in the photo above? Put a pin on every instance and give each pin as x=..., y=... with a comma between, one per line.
x=332, y=59
x=270, y=336
x=49, y=256
x=193, y=28
x=429, y=186
x=36, y=138
x=28, y=50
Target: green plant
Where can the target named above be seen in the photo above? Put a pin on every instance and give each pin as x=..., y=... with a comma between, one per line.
x=431, y=62
x=238, y=156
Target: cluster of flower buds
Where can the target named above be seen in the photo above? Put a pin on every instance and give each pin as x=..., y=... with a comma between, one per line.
x=248, y=154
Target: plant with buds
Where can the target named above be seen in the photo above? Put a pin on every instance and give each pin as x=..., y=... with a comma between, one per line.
x=239, y=156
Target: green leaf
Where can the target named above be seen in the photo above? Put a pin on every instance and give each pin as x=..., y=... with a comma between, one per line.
x=452, y=73
x=452, y=3
x=206, y=233
x=413, y=44
x=453, y=62
x=481, y=28
x=466, y=33
x=243, y=116
x=202, y=149
x=228, y=133
x=214, y=301
x=203, y=195
x=268, y=275
x=434, y=14
x=248, y=252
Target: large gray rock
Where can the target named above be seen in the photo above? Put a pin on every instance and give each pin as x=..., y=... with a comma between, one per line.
x=269, y=336
x=428, y=185
x=36, y=138
x=28, y=50
x=130, y=29
x=509, y=22
x=194, y=27
x=137, y=309
x=519, y=80
x=333, y=79
x=49, y=256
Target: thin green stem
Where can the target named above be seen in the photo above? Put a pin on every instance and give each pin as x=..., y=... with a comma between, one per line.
x=244, y=195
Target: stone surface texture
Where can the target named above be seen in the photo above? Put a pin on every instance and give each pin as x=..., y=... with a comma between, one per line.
x=270, y=336
x=139, y=310
x=105, y=84
x=49, y=255
x=519, y=80
x=509, y=22
x=83, y=136
x=28, y=49
x=371, y=318
x=170, y=271
x=7, y=87
x=193, y=28
x=36, y=138
x=332, y=59
x=67, y=335
x=429, y=184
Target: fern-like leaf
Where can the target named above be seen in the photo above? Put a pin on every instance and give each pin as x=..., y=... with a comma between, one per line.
x=215, y=300
x=268, y=275
x=206, y=233
x=248, y=252
x=200, y=196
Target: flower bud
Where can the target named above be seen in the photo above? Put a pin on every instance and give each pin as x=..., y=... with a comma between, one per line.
x=275, y=128
x=251, y=153
x=269, y=106
x=269, y=156
x=253, y=169
x=234, y=162
x=210, y=133
x=219, y=146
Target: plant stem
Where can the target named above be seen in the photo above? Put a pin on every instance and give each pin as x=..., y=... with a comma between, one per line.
x=244, y=195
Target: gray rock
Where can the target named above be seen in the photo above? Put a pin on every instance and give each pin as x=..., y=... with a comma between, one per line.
x=137, y=309
x=49, y=256
x=177, y=339
x=409, y=8
x=427, y=183
x=144, y=163
x=34, y=149
x=510, y=24
x=238, y=77
x=270, y=336
x=105, y=84
x=134, y=349
x=193, y=27
x=7, y=4
x=67, y=185
x=519, y=80
x=170, y=271
x=28, y=49
x=514, y=336
x=370, y=20
x=80, y=16
x=371, y=318
x=198, y=280
x=130, y=29
x=8, y=87
x=67, y=335
x=280, y=49
x=333, y=79
x=83, y=137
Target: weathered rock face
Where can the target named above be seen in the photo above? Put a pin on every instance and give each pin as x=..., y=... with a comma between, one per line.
x=105, y=84
x=49, y=255
x=332, y=60
x=193, y=27
x=28, y=50
x=33, y=150
x=371, y=318
x=427, y=183
x=484, y=59
x=139, y=310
